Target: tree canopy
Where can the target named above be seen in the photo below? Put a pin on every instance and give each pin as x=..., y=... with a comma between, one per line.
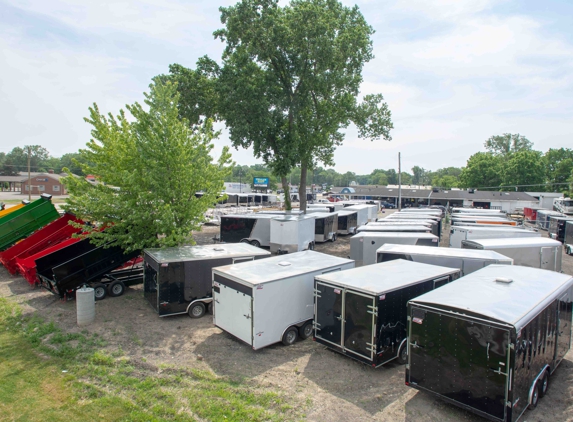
x=507, y=143
x=148, y=170
x=288, y=83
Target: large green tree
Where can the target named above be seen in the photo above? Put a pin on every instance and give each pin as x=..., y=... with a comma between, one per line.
x=17, y=160
x=290, y=81
x=524, y=168
x=483, y=170
x=508, y=143
x=558, y=168
x=149, y=168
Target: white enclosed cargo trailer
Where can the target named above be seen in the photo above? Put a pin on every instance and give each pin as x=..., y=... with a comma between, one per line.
x=365, y=212
x=325, y=226
x=535, y=252
x=347, y=221
x=292, y=233
x=466, y=260
x=266, y=304
x=406, y=228
x=459, y=233
x=363, y=246
x=433, y=224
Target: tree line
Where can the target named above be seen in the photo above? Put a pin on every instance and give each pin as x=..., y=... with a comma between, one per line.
x=41, y=161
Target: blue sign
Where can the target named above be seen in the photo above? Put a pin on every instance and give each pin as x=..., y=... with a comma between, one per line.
x=261, y=182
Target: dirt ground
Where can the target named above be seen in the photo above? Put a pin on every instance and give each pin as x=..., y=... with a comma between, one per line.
x=330, y=386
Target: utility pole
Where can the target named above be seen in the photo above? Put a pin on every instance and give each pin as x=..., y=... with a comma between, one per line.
x=29, y=178
x=240, y=181
x=399, y=183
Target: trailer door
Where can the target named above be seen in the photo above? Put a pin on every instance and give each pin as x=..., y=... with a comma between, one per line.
x=359, y=313
x=564, y=327
x=328, y=323
x=233, y=309
x=465, y=361
x=548, y=258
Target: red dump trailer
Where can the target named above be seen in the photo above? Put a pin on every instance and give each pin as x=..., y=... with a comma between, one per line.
x=530, y=213
x=27, y=266
x=50, y=235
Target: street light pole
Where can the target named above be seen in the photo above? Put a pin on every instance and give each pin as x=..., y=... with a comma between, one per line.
x=29, y=178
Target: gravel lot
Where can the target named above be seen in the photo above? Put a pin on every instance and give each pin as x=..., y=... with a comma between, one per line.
x=328, y=386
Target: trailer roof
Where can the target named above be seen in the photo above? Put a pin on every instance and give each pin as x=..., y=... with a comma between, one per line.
x=194, y=253
x=386, y=276
x=402, y=222
x=515, y=303
x=344, y=212
x=397, y=228
x=512, y=242
x=418, y=235
x=413, y=216
x=361, y=206
x=280, y=267
x=294, y=217
x=324, y=214
x=451, y=252
x=253, y=215
x=498, y=227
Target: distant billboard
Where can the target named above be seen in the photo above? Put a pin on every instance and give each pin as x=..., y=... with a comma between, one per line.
x=261, y=182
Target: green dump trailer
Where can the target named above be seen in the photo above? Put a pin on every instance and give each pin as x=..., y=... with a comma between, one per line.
x=26, y=220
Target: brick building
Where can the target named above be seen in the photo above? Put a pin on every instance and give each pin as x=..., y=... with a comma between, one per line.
x=44, y=183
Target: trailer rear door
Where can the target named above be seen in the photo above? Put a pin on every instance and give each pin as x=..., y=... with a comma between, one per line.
x=328, y=324
x=359, y=312
x=463, y=360
x=233, y=310
x=548, y=258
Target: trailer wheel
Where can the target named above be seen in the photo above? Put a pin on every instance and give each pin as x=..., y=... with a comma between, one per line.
x=403, y=354
x=544, y=384
x=290, y=336
x=311, y=246
x=100, y=292
x=197, y=310
x=534, y=396
x=256, y=243
x=334, y=237
x=306, y=330
x=117, y=288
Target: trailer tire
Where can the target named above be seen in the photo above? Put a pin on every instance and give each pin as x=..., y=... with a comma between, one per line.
x=534, y=396
x=290, y=336
x=544, y=384
x=334, y=237
x=197, y=310
x=115, y=289
x=305, y=331
x=100, y=292
x=256, y=243
x=403, y=354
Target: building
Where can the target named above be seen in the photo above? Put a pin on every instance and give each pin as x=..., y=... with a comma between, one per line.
x=506, y=201
x=43, y=183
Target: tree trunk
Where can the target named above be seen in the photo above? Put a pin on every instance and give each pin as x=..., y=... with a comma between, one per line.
x=302, y=187
x=286, y=188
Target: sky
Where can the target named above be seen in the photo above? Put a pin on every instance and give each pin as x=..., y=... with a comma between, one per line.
x=453, y=72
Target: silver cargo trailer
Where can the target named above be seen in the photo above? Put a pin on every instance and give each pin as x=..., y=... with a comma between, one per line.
x=543, y=218
x=478, y=221
x=568, y=238
x=413, y=216
x=476, y=211
x=535, y=252
x=362, y=312
x=466, y=260
x=489, y=342
x=347, y=222
x=178, y=280
x=363, y=246
x=407, y=228
x=325, y=226
x=432, y=224
x=459, y=233
x=270, y=300
x=292, y=233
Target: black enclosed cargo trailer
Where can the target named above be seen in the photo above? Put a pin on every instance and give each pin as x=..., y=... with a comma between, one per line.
x=179, y=280
x=557, y=226
x=347, y=222
x=489, y=342
x=362, y=312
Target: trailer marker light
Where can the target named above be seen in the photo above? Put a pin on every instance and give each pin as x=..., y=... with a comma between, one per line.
x=407, y=383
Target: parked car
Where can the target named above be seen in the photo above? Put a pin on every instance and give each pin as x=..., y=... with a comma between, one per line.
x=388, y=205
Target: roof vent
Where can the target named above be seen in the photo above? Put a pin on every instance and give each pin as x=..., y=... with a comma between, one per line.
x=504, y=280
x=470, y=191
x=435, y=189
x=218, y=249
x=284, y=264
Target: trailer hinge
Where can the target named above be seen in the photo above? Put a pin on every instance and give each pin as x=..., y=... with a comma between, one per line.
x=369, y=348
x=508, y=404
x=409, y=318
x=512, y=346
x=374, y=310
x=317, y=293
x=315, y=326
x=407, y=366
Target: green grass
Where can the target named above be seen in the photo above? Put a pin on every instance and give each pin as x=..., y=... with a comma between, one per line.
x=108, y=386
